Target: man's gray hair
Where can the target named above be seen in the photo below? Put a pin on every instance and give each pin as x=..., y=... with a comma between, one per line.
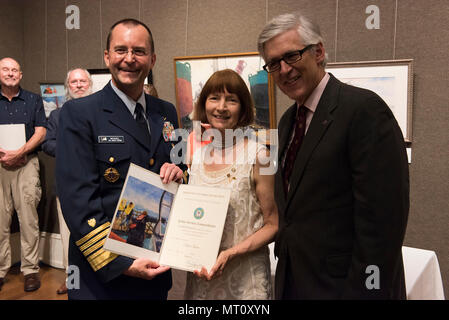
x=308, y=31
x=66, y=83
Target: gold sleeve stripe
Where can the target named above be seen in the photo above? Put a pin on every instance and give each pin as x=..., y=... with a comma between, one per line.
x=95, y=255
x=105, y=262
x=92, y=233
x=98, y=237
x=98, y=245
x=101, y=258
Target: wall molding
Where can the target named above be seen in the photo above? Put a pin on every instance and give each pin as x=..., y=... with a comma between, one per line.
x=50, y=249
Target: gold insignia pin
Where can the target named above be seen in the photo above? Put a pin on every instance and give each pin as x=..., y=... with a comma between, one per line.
x=111, y=159
x=111, y=175
x=92, y=222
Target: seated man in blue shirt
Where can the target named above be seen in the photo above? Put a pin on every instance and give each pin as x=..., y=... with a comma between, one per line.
x=19, y=173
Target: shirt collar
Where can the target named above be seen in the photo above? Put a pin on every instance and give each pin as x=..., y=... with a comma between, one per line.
x=18, y=95
x=312, y=101
x=128, y=101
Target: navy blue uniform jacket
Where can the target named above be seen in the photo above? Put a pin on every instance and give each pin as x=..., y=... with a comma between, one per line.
x=49, y=144
x=88, y=199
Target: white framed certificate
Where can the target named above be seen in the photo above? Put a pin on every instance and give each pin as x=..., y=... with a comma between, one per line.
x=12, y=136
x=176, y=225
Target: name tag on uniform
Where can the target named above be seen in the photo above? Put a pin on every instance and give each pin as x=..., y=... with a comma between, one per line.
x=111, y=139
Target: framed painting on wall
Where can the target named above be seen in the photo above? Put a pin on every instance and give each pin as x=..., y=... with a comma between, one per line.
x=100, y=78
x=392, y=80
x=192, y=72
x=53, y=96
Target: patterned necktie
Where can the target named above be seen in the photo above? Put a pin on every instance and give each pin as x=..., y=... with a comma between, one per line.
x=300, y=128
x=141, y=121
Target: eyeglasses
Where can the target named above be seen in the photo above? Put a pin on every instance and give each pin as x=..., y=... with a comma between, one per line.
x=138, y=52
x=289, y=58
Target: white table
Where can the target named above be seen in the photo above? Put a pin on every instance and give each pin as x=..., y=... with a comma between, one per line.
x=422, y=273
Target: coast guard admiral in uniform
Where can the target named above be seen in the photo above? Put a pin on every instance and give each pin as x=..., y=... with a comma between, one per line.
x=99, y=137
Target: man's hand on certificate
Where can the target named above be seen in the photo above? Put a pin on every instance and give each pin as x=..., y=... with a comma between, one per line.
x=170, y=172
x=145, y=269
x=217, y=269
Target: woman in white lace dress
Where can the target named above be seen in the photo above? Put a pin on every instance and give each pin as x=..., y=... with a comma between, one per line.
x=242, y=269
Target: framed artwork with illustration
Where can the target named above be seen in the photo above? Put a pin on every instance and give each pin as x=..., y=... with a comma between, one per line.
x=53, y=96
x=392, y=80
x=192, y=72
x=173, y=224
